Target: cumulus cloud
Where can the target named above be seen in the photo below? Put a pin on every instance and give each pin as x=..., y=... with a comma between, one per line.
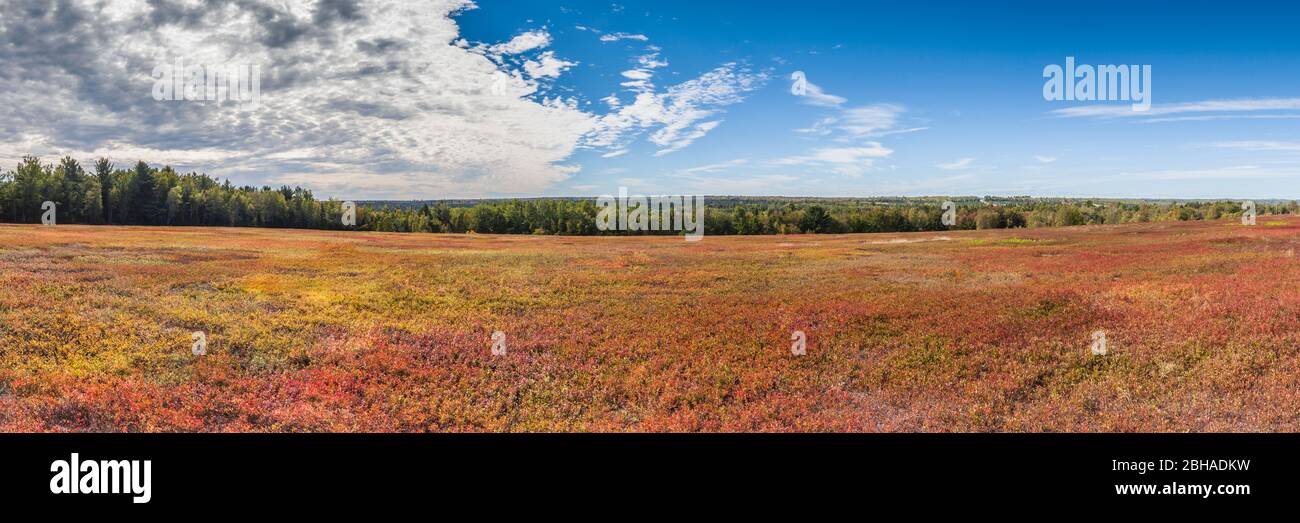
x=523, y=43
x=377, y=99
x=640, y=79
x=547, y=66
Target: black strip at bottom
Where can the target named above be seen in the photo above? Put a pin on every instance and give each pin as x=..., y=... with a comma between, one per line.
x=549, y=473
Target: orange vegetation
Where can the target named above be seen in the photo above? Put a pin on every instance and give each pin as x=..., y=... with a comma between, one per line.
x=954, y=331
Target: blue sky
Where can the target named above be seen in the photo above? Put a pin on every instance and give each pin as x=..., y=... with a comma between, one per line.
x=388, y=99
x=968, y=75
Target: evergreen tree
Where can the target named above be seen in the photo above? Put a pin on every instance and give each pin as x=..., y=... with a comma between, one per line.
x=104, y=174
x=144, y=208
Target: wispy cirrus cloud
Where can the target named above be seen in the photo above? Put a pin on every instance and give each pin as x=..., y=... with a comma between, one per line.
x=1259, y=145
x=869, y=121
x=1235, y=172
x=964, y=163
x=813, y=94
x=615, y=37
x=848, y=161
x=679, y=116
x=716, y=167
x=1234, y=107
x=854, y=130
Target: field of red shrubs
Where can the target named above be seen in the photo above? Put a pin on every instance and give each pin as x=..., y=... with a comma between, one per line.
x=956, y=331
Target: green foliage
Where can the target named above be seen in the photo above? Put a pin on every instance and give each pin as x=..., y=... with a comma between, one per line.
x=144, y=195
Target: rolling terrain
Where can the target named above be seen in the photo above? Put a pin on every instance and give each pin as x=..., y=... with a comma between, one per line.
x=944, y=331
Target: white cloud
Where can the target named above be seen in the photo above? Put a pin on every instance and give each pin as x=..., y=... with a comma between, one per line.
x=1045, y=159
x=1216, y=117
x=849, y=161
x=870, y=120
x=387, y=102
x=861, y=122
x=683, y=114
x=637, y=74
x=753, y=185
x=1227, y=173
x=849, y=125
x=963, y=163
x=1260, y=145
x=547, y=66
x=384, y=105
x=640, y=79
x=821, y=127
x=522, y=43
x=614, y=37
x=712, y=168
x=814, y=95
x=1207, y=106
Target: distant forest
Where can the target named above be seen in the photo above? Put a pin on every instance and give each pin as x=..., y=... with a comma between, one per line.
x=102, y=193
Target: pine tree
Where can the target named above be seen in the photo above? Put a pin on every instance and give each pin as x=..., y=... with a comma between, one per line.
x=144, y=200
x=104, y=172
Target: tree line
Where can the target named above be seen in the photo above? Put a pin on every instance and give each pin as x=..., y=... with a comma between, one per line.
x=142, y=194
x=145, y=195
